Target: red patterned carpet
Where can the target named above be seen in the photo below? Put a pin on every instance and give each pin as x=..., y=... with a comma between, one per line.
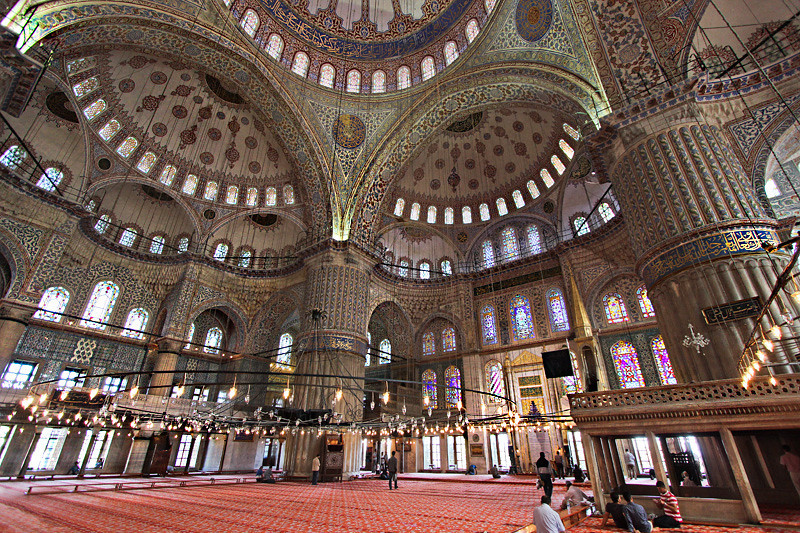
x=592, y=524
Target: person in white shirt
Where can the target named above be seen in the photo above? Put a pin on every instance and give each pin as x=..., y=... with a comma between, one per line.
x=630, y=463
x=574, y=496
x=546, y=519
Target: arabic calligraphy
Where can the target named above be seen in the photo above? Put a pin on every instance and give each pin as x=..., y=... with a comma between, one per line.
x=733, y=311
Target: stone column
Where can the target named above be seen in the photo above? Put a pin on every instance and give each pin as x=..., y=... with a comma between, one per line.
x=165, y=365
x=13, y=323
x=696, y=228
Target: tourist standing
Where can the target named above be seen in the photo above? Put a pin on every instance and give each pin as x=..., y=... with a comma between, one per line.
x=315, y=470
x=559, y=461
x=545, y=474
x=630, y=463
x=392, y=467
x=792, y=463
x=546, y=519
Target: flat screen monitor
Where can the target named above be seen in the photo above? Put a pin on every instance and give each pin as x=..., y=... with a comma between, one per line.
x=557, y=364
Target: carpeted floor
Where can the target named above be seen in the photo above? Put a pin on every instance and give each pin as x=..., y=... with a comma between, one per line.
x=592, y=524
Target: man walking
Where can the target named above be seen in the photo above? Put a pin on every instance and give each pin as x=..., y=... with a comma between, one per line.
x=545, y=474
x=391, y=466
x=315, y=470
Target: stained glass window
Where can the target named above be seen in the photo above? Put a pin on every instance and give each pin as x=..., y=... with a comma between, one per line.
x=77, y=64
x=452, y=393
x=572, y=132
x=432, y=214
x=211, y=191
x=300, y=64
x=354, y=81
x=190, y=336
x=213, y=340
x=272, y=196
x=221, y=251
x=250, y=22
x=52, y=304
x=50, y=179
x=483, y=209
x=399, y=206
x=189, y=184
x=429, y=389
x=626, y=363
x=546, y=177
x=17, y=375
x=450, y=52
x=424, y=270
x=606, y=213
x=558, y=310
x=472, y=30
x=368, y=356
x=385, y=355
x=494, y=381
x=519, y=201
x=449, y=340
x=645, y=305
x=127, y=147
x=403, y=268
x=521, y=319
x=581, y=226
x=146, y=163
x=135, y=324
x=108, y=131
x=232, y=196
x=533, y=189
x=428, y=344
x=275, y=46
x=12, y=157
x=501, y=206
x=327, y=74
x=85, y=87
x=415, y=209
x=447, y=267
x=379, y=81
x=566, y=148
x=245, y=256
x=284, y=356
x=428, y=68
x=101, y=305
x=157, y=244
x=488, y=325
x=128, y=237
x=510, y=246
x=102, y=224
x=534, y=240
x=183, y=245
x=488, y=254
x=663, y=363
x=92, y=205
x=288, y=194
x=559, y=166
x=252, y=196
x=403, y=78
x=449, y=215
x=572, y=383
x=615, y=308
x=466, y=214
x=771, y=188
x=489, y=5
x=95, y=109
x=168, y=175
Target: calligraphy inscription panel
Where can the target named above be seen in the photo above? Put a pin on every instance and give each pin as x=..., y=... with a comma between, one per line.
x=748, y=308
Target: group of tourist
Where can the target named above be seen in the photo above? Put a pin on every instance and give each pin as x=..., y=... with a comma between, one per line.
x=632, y=516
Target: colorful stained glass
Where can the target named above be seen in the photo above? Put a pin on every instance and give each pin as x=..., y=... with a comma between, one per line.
x=483, y=209
x=135, y=324
x=501, y=206
x=146, y=163
x=385, y=355
x=128, y=237
x=557, y=164
x=245, y=256
x=157, y=244
x=127, y=147
x=403, y=78
x=275, y=46
x=111, y=128
x=272, y=196
x=168, y=175
x=250, y=22
x=424, y=270
x=572, y=132
x=472, y=30
x=252, y=196
x=510, y=245
x=415, y=209
x=85, y=87
x=300, y=64
x=466, y=214
x=663, y=363
x=288, y=195
x=488, y=325
x=449, y=215
x=616, y=313
x=399, y=206
x=452, y=392
x=581, y=226
x=626, y=363
x=183, y=245
x=77, y=64
x=327, y=74
x=572, y=384
x=353, y=81
x=190, y=336
x=494, y=381
x=519, y=201
x=521, y=319
x=12, y=157
x=221, y=251
x=447, y=267
x=50, y=179
x=95, y=109
x=102, y=224
x=534, y=240
x=428, y=67
x=428, y=344
x=368, y=355
x=189, y=184
x=488, y=254
x=546, y=177
x=213, y=340
x=432, y=214
x=284, y=356
x=101, y=305
x=379, y=81
x=558, y=310
x=232, y=195
x=450, y=52
x=533, y=189
x=645, y=305
x=429, y=388
x=52, y=304
x=211, y=191
x=606, y=213
x=449, y=340
x=566, y=148
x=403, y=271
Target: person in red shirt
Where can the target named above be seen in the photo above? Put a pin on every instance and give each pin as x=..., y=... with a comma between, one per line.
x=669, y=503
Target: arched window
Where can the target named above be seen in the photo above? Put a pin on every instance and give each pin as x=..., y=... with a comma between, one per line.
x=626, y=363
x=135, y=323
x=448, y=215
x=519, y=201
x=510, y=246
x=488, y=325
x=771, y=188
x=52, y=304
x=429, y=388
x=566, y=148
x=128, y=237
x=252, y=196
x=367, y=357
x=428, y=344
x=221, y=252
x=146, y=163
x=403, y=271
x=558, y=310
x=354, y=81
x=399, y=206
x=183, y=245
x=450, y=52
x=472, y=30
x=466, y=214
x=211, y=191
x=102, y=224
x=489, y=5
x=452, y=392
x=272, y=196
x=189, y=336
x=284, y=356
x=95, y=109
x=557, y=164
x=534, y=240
x=85, y=87
x=533, y=189
x=415, y=209
x=501, y=206
x=521, y=319
x=606, y=213
x=424, y=270
x=448, y=340
x=288, y=194
x=615, y=308
x=108, y=131
x=572, y=383
x=428, y=67
x=488, y=254
x=546, y=177
x=403, y=78
x=572, y=132
x=581, y=226
x=250, y=22
x=327, y=75
x=663, y=363
x=245, y=256
x=168, y=175
x=447, y=267
x=385, y=348
x=300, y=64
x=157, y=244
x=483, y=209
x=232, y=196
x=432, y=214
x=645, y=305
x=379, y=81
x=50, y=179
x=213, y=340
x=275, y=46
x=494, y=381
x=189, y=184
x=101, y=305
x=127, y=147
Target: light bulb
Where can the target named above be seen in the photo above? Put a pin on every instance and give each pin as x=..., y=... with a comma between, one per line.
x=64, y=394
x=761, y=355
x=796, y=296
x=385, y=397
x=756, y=365
x=404, y=408
x=134, y=391
x=426, y=400
x=232, y=393
x=286, y=393
x=338, y=394
x=768, y=344
x=773, y=381
x=460, y=405
x=43, y=398
x=94, y=392
x=776, y=332
x=180, y=390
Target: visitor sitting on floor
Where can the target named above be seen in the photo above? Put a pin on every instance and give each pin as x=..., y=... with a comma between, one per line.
x=494, y=472
x=615, y=511
x=574, y=496
x=635, y=517
x=74, y=469
x=546, y=519
x=580, y=477
x=669, y=503
x=686, y=481
x=260, y=474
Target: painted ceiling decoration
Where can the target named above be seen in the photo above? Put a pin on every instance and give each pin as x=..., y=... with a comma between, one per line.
x=533, y=18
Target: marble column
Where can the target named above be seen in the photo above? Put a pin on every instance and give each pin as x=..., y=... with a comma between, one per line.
x=13, y=323
x=165, y=365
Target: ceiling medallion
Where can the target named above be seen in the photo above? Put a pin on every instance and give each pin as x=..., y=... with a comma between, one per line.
x=349, y=131
x=533, y=18
x=453, y=179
